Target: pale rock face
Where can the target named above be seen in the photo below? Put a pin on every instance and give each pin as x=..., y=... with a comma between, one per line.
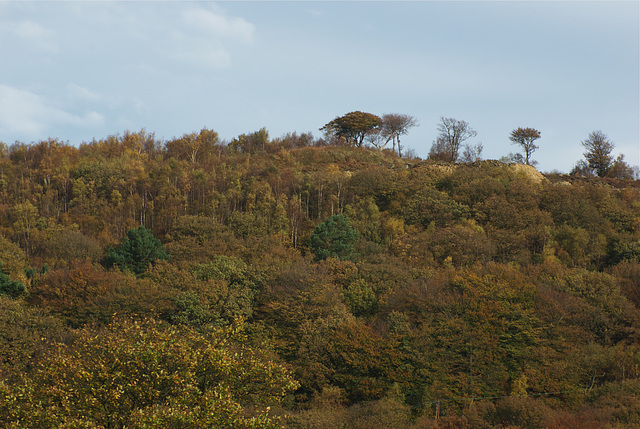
x=446, y=169
x=529, y=171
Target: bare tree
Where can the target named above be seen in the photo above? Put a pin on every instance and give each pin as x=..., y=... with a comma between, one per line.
x=526, y=137
x=452, y=134
x=472, y=153
x=516, y=158
x=376, y=139
x=394, y=125
x=439, y=151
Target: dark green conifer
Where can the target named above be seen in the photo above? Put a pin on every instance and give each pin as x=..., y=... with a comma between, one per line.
x=334, y=238
x=138, y=250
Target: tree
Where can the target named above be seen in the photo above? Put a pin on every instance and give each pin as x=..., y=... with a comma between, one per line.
x=452, y=134
x=251, y=143
x=195, y=147
x=334, y=238
x=526, y=137
x=353, y=126
x=598, y=152
x=581, y=168
x=621, y=170
x=13, y=260
x=138, y=250
x=86, y=293
x=394, y=125
x=25, y=216
x=145, y=374
x=440, y=151
x=472, y=153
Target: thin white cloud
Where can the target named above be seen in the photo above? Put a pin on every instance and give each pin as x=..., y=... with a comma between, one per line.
x=184, y=48
x=205, y=55
x=316, y=12
x=219, y=25
x=27, y=113
x=19, y=111
x=77, y=92
x=30, y=30
x=32, y=33
x=201, y=38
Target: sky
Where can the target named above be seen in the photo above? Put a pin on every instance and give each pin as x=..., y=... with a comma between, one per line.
x=79, y=70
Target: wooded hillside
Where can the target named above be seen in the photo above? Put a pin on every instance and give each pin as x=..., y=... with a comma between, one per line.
x=287, y=283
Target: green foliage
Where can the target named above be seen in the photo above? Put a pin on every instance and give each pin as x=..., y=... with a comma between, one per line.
x=12, y=259
x=251, y=143
x=622, y=251
x=434, y=206
x=334, y=237
x=10, y=288
x=461, y=245
x=479, y=280
x=230, y=269
x=138, y=250
x=211, y=294
x=363, y=363
x=194, y=310
x=366, y=219
x=24, y=334
x=361, y=298
x=245, y=224
x=144, y=374
x=353, y=126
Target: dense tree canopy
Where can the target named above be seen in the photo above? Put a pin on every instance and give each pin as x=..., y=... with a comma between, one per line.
x=288, y=282
x=146, y=374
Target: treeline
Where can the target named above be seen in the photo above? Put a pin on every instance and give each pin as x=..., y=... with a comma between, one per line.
x=452, y=143
x=292, y=283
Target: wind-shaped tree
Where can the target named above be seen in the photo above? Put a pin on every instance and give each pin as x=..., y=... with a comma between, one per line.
x=353, y=127
x=526, y=137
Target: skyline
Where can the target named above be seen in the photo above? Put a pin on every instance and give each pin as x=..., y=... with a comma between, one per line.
x=84, y=70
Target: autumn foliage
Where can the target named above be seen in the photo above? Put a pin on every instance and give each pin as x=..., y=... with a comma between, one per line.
x=294, y=283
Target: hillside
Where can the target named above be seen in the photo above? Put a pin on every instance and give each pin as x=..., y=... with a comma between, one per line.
x=286, y=283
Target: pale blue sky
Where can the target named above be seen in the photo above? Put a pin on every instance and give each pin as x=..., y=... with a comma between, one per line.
x=76, y=70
